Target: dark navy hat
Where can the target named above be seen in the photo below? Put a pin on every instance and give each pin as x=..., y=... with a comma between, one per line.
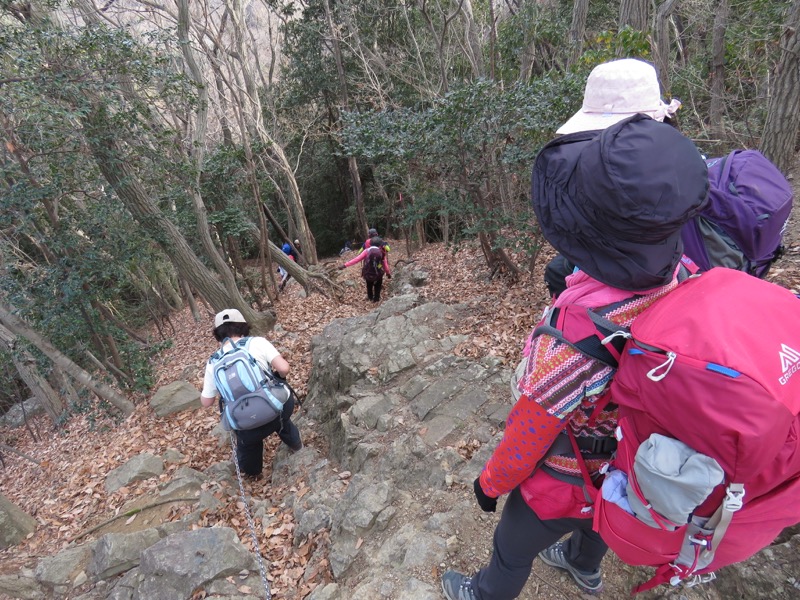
x=613, y=202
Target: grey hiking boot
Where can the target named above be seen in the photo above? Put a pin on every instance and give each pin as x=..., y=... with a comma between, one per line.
x=553, y=556
x=457, y=586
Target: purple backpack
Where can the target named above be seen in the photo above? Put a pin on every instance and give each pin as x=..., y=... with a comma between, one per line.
x=742, y=226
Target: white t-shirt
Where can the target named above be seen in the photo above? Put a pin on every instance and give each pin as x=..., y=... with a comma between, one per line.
x=259, y=347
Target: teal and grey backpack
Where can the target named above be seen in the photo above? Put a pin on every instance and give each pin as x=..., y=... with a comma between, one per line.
x=249, y=398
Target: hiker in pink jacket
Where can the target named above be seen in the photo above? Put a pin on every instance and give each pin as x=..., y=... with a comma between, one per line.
x=375, y=265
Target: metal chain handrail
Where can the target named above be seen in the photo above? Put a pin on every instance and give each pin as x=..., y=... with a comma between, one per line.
x=250, y=521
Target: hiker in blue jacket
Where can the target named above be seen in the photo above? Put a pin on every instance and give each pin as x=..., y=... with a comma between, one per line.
x=287, y=250
x=230, y=326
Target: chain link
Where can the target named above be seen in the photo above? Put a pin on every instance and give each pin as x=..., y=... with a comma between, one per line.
x=250, y=521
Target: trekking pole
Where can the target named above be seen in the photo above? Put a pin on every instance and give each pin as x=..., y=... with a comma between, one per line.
x=250, y=522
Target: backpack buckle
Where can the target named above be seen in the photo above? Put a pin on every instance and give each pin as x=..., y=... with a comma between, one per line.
x=700, y=579
x=734, y=497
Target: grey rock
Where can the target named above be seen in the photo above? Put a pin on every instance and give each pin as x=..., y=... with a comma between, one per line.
x=22, y=587
x=418, y=278
x=367, y=411
x=224, y=589
x=175, y=397
x=317, y=519
x=411, y=548
x=15, y=524
x=325, y=592
x=772, y=574
x=125, y=586
x=173, y=456
x=186, y=482
x=115, y=553
x=143, y=466
x=176, y=566
x=63, y=568
x=414, y=589
x=16, y=415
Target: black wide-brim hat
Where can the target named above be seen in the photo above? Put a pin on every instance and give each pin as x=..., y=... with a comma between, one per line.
x=613, y=201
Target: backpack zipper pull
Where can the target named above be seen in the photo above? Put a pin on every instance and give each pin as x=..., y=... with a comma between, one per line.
x=620, y=333
x=667, y=365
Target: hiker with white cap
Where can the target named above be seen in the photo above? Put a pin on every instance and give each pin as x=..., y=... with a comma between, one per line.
x=232, y=330
x=613, y=203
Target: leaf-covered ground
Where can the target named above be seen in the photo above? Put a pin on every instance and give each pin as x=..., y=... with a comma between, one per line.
x=60, y=479
x=61, y=482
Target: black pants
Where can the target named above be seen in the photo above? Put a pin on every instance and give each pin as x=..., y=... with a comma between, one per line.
x=250, y=442
x=374, y=289
x=520, y=536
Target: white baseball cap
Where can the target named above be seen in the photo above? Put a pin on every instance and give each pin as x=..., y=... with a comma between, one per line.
x=617, y=90
x=229, y=315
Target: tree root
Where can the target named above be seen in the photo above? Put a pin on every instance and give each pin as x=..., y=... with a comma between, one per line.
x=129, y=513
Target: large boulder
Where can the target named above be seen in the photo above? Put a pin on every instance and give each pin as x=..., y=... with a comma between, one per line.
x=17, y=414
x=175, y=397
x=143, y=466
x=178, y=565
x=15, y=524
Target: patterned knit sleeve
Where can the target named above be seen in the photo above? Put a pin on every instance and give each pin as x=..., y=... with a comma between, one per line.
x=557, y=380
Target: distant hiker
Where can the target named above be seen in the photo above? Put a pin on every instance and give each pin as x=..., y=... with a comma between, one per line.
x=232, y=331
x=287, y=250
x=375, y=266
x=613, y=203
x=348, y=247
x=373, y=233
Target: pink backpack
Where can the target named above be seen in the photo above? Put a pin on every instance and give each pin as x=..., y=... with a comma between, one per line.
x=707, y=469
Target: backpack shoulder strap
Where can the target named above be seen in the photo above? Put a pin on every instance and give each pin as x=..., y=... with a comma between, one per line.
x=586, y=331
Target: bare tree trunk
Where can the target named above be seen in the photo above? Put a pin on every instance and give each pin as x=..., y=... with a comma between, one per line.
x=123, y=179
x=37, y=384
x=635, y=14
x=717, y=106
x=64, y=387
x=577, y=29
x=440, y=37
x=661, y=49
x=187, y=292
x=783, y=109
x=472, y=44
x=352, y=164
x=198, y=145
x=19, y=328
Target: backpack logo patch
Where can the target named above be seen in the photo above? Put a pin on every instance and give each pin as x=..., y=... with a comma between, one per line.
x=790, y=362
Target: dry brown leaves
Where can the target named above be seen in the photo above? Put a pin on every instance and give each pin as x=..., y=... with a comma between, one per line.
x=66, y=492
